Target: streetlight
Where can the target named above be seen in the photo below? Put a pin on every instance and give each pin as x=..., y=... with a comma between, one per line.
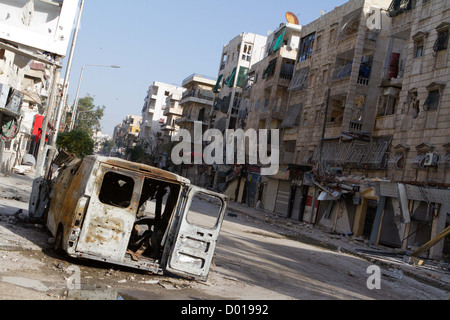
x=75, y=107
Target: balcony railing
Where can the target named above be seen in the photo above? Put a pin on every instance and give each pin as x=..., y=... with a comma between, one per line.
x=343, y=72
x=398, y=7
x=201, y=94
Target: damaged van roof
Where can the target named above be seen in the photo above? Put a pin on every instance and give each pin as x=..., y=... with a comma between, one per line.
x=139, y=167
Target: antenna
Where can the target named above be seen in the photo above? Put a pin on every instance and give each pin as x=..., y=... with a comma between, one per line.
x=291, y=18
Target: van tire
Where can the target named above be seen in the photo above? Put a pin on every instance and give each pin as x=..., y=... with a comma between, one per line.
x=59, y=240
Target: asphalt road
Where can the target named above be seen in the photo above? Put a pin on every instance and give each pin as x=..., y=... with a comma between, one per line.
x=254, y=260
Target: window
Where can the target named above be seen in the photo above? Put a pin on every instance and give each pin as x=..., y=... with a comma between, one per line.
x=419, y=45
x=388, y=105
x=319, y=42
x=116, y=190
x=332, y=35
x=432, y=102
x=441, y=42
x=247, y=53
x=306, y=47
x=413, y=104
x=167, y=93
x=325, y=76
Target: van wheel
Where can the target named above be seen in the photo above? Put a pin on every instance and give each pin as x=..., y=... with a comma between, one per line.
x=59, y=240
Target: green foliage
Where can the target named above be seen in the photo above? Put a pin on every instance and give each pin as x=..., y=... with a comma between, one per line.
x=138, y=154
x=77, y=142
x=89, y=116
x=107, y=146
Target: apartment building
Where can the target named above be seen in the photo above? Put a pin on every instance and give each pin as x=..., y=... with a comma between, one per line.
x=172, y=111
x=126, y=133
x=153, y=118
x=368, y=104
x=196, y=104
x=264, y=104
x=238, y=56
x=197, y=101
x=24, y=89
x=414, y=109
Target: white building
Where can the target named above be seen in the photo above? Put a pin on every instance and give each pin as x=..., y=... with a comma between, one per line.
x=153, y=111
x=238, y=56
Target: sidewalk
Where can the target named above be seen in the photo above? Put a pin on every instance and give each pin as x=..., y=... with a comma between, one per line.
x=436, y=273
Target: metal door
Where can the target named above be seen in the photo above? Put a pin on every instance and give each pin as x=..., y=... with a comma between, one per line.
x=283, y=196
x=195, y=243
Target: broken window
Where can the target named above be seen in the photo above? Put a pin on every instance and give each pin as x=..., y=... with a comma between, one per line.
x=247, y=52
x=306, y=47
x=116, y=190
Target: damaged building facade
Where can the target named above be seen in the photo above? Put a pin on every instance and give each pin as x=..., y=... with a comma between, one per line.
x=363, y=123
x=374, y=123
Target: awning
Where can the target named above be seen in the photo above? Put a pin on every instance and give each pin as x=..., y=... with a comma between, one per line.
x=269, y=68
x=292, y=116
x=299, y=80
x=216, y=88
x=242, y=77
x=230, y=80
x=279, y=42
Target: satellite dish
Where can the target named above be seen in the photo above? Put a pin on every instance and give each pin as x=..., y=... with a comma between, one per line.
x=291, y=18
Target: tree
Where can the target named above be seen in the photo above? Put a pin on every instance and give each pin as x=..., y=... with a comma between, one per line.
x=77, y=142
x=89, y=116
x=107, y=146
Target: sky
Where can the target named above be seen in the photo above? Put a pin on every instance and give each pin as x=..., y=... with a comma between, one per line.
x=165, y=41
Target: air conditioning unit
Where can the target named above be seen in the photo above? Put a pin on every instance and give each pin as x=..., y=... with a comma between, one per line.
x=431, y=160
x=10, y=101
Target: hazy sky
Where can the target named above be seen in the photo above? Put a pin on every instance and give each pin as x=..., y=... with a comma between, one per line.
x=165, y=41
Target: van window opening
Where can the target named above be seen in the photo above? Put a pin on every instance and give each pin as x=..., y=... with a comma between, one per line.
x=204, y=211
x=116, y=190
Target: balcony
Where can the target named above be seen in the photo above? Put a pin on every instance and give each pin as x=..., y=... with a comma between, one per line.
x=199, y=96
x=342, y=72
x=173, y=110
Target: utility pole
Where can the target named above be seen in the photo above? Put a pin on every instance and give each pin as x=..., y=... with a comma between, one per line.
x=48, y=113
x=66, y=79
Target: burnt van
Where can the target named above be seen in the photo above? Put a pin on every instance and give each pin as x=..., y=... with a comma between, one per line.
x=130, y=214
